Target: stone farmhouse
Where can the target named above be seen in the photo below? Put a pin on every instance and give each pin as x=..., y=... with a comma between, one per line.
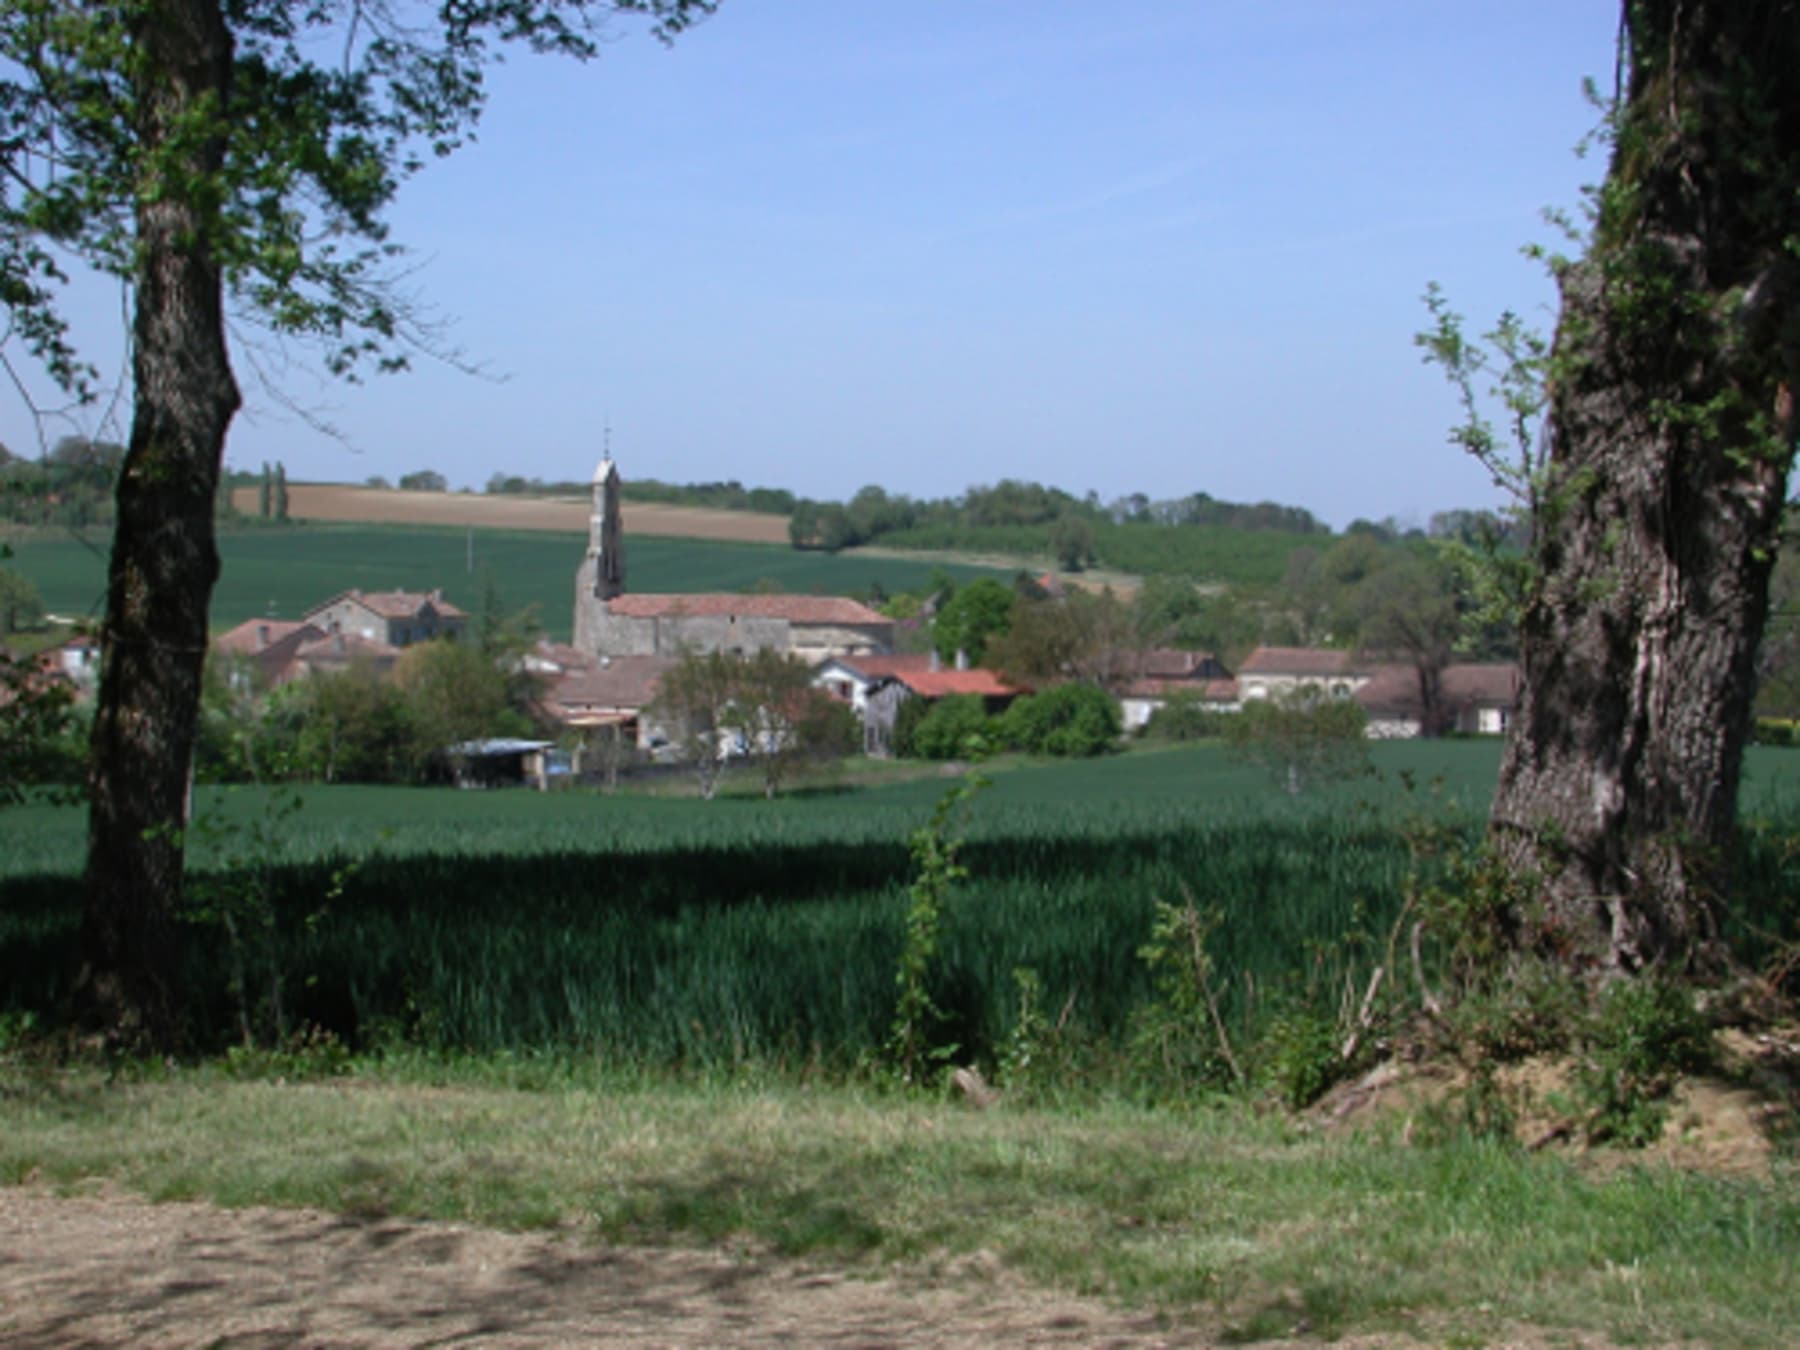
x=398, y=618
x=609, y=622
x=355, y=627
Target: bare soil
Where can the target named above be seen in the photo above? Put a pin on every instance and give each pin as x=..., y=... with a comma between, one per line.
x=325, y=501
x=111, y=1270
x=1736, y=1123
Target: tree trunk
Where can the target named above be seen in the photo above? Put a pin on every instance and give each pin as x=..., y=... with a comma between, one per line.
x=1671, y=419
x=164, y=562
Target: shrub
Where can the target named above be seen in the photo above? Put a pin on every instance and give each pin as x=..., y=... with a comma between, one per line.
x=944, y=730
x=1184, y=717
x=1068, y=721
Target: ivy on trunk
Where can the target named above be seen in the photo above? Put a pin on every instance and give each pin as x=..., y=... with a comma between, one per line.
x=1671, y=431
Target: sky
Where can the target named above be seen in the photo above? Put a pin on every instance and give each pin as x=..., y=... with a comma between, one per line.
x=1158, y=246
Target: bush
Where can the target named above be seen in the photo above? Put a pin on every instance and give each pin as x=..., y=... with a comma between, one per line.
x=1184, y=717
x=1069, y=721
x=944, y=730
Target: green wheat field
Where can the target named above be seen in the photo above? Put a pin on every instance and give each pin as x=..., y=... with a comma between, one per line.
x=678, y=932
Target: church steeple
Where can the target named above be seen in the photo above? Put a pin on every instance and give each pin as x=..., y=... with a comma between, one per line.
x=606, y=540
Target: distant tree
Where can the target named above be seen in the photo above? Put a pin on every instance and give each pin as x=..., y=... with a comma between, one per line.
x=973, y=617
x=377, y=482
x=694, y=701
x=1408, y=613
x=453, y=692
x=1082, y=635
x=424, y=480
x=1072, y=541
x=784, y=719
x=281, y=492
x=1184, y=716
x=1303, y=739
x=21, y=607
x=265, y=488
x=35, y=716
x=355, y=727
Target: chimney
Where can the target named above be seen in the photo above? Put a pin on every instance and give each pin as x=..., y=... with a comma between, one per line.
x=262, y=636
x=936, y=661
x=962, y=659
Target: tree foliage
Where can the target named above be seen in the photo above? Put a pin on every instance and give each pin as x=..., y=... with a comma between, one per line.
x=973, y=617
x=214, y=155
x=1303, y=739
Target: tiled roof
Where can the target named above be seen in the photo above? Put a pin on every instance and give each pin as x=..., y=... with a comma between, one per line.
x=255, y=635
x=874, y=666
x=622, y=682
x=1164, y=663
x=793, y=608
x=939, y=683
x=395, y=604
x=1493, y=683
x=1394, y=689
x=1297, y=661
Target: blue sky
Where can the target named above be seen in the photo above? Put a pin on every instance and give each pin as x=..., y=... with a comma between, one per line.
x=1155, y=245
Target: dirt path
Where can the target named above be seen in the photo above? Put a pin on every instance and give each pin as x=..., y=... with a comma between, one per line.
x=114, y=1271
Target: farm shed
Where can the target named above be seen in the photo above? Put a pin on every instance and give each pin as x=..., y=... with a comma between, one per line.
x=506, y=762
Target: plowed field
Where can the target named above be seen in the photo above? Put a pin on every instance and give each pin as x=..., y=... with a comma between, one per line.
x=326, y=501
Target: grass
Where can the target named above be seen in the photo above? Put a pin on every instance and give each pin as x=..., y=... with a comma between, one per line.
x=1238, y=1223
x=286, y=571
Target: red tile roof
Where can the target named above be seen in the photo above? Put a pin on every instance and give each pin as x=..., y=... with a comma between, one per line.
x=939, y=683
x=874, y=666
x=793, y=608
x=255, y=635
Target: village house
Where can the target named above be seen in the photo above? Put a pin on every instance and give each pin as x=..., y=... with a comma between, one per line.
x=279, y=650
x=1473, y=699
x=610, y=622
x=1164, y=673
x=875, y=687
x=397, y=618
x=1273, y=672
x=603, y=698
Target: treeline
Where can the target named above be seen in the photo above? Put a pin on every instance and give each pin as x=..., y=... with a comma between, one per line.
x=70, y=486
x=727, y=496
x=1028, y=517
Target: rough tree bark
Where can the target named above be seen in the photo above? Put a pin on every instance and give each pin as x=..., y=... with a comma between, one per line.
x=1672, y=426
x=164, y=560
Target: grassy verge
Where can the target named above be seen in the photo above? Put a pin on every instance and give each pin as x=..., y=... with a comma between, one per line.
x=1231, y=1220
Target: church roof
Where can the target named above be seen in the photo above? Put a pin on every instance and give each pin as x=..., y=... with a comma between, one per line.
x=793, y=608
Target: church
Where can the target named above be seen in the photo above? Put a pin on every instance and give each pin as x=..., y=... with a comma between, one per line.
x=610, y=622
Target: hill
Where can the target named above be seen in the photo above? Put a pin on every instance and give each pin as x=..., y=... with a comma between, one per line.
x=282, y=571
